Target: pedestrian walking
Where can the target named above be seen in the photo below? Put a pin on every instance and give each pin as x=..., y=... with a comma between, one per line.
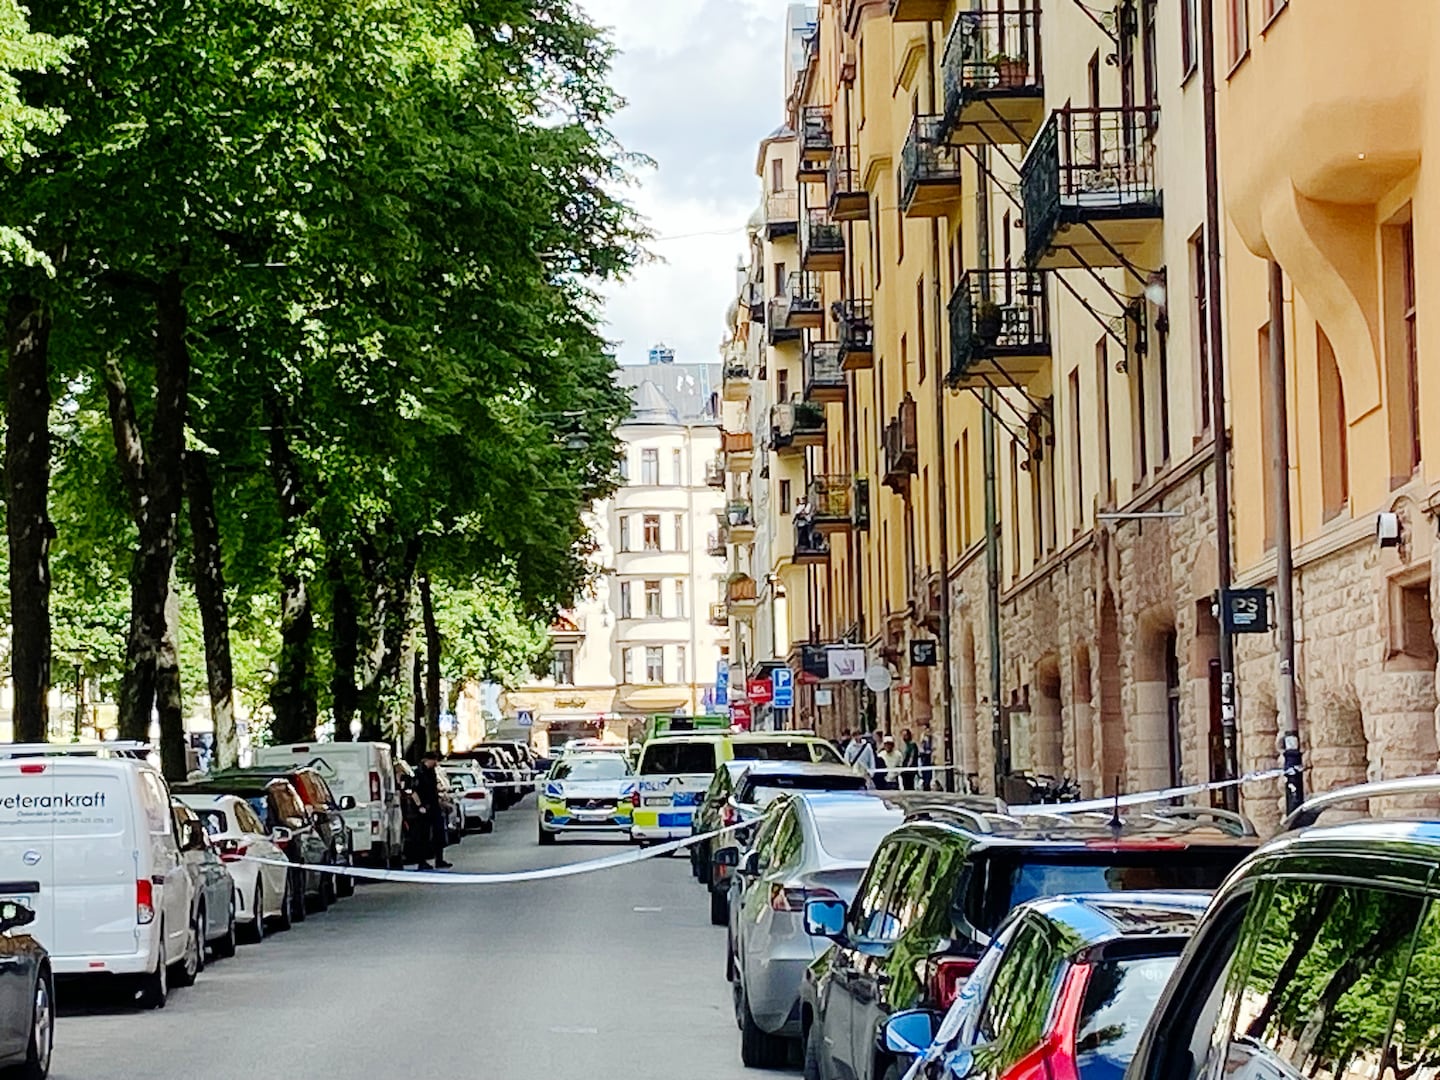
x=860, y=754
x=432, y=811
x=925, y=758
x=909, y=759
x=890, y=759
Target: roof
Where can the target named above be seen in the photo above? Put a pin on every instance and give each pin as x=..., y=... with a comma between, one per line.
x=225, y=785
x=672, y=394
x=1104, y=917
x=996, y=825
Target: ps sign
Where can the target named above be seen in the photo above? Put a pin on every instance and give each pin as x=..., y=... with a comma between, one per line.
x=782, y=685
x=1246, y=611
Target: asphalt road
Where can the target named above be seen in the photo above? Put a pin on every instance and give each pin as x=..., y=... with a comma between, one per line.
x=615, y=974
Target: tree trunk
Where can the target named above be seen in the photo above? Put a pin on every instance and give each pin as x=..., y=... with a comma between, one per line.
x=344, y=650
x=394, y=688
x=372, y=727
x=432, y=664
x=27, y=491
x=208, y=577
x=169, y=700
x=417, y=740
x=292, y=698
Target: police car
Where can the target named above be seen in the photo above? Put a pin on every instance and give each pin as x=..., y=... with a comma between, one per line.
x=586, y=793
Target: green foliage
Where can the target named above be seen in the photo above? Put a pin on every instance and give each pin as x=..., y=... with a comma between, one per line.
x=486, y=636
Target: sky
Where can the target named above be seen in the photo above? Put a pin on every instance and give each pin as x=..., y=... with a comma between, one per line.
x=703, y=80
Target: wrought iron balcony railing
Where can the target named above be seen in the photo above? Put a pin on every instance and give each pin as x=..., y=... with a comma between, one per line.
x=822, y=242
x=824, y=377
x=817, y=137
x=848, y=201
x=930, y=172
x=718, y=543
x=1090, y=167
x=832, y=498
x=994, y=88
x=812, y=547
x=752, y=299
x=902, y=446
x=738, y=514
x=999, y=327
x=803, y=309
x=857, y=335
x=795, y=424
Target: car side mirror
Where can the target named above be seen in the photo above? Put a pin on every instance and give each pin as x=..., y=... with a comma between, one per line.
x=727, y=856
x=347, y=802
x=281, y=835
x=13, y=916
x=910, y=1032
x=751, y=863
x=825, y=919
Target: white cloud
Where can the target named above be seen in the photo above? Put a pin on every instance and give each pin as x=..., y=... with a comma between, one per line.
x=703, y=81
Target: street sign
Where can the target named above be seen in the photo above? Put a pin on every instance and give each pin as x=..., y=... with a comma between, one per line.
x=1246, y=611
x=525, y=718
x=722, y=683
x=847, y=662
x=924, y=652
x=758, y=691
x=782, y=688
x=878, y=678
x=740, y=714
x=824, y=696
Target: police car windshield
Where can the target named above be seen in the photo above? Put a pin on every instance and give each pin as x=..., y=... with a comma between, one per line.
x=591, y=767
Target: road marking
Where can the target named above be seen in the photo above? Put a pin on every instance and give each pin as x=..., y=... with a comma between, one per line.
x=648, y=910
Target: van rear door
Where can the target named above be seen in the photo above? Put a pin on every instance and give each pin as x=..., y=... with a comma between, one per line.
x=27, y=791
x=674, y=775
x=95, y=861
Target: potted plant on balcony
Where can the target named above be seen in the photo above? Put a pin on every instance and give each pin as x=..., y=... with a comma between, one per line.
x=1010, y=71
x=989, y=320
x=809, y=415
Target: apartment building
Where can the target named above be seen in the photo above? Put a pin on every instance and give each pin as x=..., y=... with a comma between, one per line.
x=643, y=641
x=982, y=277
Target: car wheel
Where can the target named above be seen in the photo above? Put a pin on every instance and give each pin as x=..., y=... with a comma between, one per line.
x=703, y=870
x=253, y=932
x=298, y=910
x=284, y=920
x=42, y=1032
x=814, y=1070
x=488, y=825
x=719, y=908
x=758, y=1048
x=224, y=946
x=322, y=894
x=892, y=1072
x=153, y=990
x=546, y=837
x=345, y=885
x=193, y=962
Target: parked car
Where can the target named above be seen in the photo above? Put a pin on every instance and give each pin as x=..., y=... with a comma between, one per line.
x=450, y=805
x=585, y=793
x=1319, y=958
x=499, y=774
x=328, y=814
x=112, y=896
x=27, y=990
x=940, y=885
x=1065, y=990
x=364, y=770
x=819, y=849
x=292, y=828
x=476, y=805
x=214, y=900
x=261, y=890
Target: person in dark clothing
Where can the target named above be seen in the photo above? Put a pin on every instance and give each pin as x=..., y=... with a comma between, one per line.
x=427, y=795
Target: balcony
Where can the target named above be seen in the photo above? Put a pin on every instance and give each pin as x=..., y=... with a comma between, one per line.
x=994, y=91
x=739, y=522
x=847, y=200
x=715, y=472
x=857, y=335
x=752, y=300
x=802, y=302
x=833, y=501
x=929, y=171
x=717, y=544
x=817, y=140
x=824, y=377
x=795, y=425
x=917, y=10
x=741, y=595
x=736, y=383
x=822, y=243
x=720, y=615
x=902, y=447
x=999, y=329
x=782, y=214
x=739, y=450
x=1090, y=187
x=777, y=329
x=812, y=547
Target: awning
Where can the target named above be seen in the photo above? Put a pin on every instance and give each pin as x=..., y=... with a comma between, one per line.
x=657, y=698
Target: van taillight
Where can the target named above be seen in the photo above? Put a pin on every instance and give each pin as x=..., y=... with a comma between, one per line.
x=144, y=902
x=31, y=770
x=945, y=982
x=374, y=786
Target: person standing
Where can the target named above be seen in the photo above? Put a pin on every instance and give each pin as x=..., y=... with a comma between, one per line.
x=925, y=758
x=909, y=759
x=432, y=811
x=890, y=759
x=860, y=754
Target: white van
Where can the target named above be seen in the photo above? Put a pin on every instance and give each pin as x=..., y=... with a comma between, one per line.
x=88, y=841
x=365, y=770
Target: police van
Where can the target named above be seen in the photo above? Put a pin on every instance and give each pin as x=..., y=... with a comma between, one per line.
x=676, y=768
x=87, y=841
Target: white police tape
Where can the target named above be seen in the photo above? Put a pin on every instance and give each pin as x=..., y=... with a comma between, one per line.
x=444, y=877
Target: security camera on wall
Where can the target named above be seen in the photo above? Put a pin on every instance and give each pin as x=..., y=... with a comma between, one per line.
x=1387, y=529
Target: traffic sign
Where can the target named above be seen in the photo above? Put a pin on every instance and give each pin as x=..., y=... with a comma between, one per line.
x=758, y=691
x=782, y=688
x=722, y=683
x=525, y=718
x=1246, y=611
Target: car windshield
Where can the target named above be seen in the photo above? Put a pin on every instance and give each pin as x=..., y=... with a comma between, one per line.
x=1119, y=999
x=214, y=822
x=261, y=806
x=671, y=758
x=765, y=789
x=851, y=832
x=772, y=750
x=593, y=767
x=461, y=779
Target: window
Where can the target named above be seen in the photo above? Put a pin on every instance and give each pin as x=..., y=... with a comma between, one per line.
x=1102, y=393
x=1416, y=1031
x=1092, y=80
x=1162, y=385
x=782, y=384
x=1239, y=26
x=654, y=608
x=779, y=279
x=654, y=664
x=966, y=499
x=1077, y=464
x=1334, y=431
x=1402, y=354
x=625, y=607
x=650, y=467
x=1151, y=58
x=1412, y=630
x=777, y=175
x=682, y=542
x=1273, y=8
x=920, y=322
x=784, y=496
x=1323, y=982
x=682, y=665
x=682, y=606
x=1018, y=1003
x=1189, y=35
x=562, y=667
x=627, y=663
x=1200, y=325
x=1267, y=435
x=1014, y=509
x=624, y=465
x=623, y=541
x=652, y=532
x=677, y=467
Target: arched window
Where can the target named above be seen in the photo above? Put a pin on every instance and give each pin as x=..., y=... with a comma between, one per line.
x=1334, y=431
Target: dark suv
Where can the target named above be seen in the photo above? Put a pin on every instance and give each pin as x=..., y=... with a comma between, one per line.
x=941, y=884
x=1319, y=958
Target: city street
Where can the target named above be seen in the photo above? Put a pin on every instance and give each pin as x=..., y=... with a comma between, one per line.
x=602, y=975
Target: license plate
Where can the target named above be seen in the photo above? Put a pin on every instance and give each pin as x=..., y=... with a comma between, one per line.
x=657, y=800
